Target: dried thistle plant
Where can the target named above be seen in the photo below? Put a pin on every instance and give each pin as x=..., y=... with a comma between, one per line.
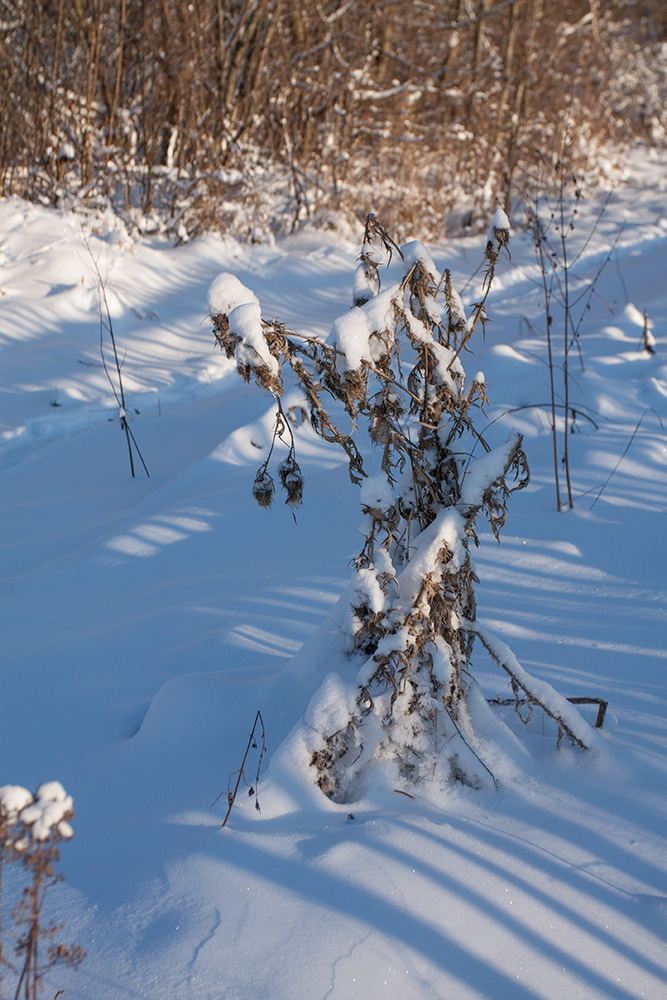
x=395, y=364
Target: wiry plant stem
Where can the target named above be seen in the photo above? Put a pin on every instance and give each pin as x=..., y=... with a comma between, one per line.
x=106, y=325
x=566, y=339
x=240, y=774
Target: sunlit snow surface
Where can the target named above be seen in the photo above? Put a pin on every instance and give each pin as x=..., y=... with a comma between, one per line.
x=146, y=621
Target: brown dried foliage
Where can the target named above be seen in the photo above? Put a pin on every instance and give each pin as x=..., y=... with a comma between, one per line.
x=420, y=415
x=428, y=110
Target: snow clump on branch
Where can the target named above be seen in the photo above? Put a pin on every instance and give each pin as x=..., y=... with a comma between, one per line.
x=39, y=817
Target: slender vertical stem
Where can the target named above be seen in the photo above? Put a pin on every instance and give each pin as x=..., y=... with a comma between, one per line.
x=566, y=328
x=122, y=17
x=119, y=393
x=548, y=321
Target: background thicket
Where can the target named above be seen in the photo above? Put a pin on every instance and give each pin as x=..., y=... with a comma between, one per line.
x=213, y=112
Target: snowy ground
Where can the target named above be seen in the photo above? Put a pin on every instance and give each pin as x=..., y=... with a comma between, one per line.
x=145, y=621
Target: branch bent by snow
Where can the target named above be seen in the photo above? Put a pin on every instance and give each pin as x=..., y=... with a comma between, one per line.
x=570, y=722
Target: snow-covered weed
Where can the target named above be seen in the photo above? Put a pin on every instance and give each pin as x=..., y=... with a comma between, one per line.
x=32, y=829
x=395, y=364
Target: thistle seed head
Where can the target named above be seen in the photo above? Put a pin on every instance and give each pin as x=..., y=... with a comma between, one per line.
x=292, y=481
x=263, y=488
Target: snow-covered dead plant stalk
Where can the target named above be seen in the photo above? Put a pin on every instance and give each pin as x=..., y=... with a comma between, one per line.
x=396, y=363
x=32, y=829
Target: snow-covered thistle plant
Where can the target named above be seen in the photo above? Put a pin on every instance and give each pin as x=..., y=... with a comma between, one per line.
x=396, y=363
x=32, y=829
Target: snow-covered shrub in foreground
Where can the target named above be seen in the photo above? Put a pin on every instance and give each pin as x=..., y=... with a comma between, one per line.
x=396, y=363
x=32, y=828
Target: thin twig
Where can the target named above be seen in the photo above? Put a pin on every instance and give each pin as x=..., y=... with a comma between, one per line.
x=625, y=451
x=472, y=751
x=240, y=774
